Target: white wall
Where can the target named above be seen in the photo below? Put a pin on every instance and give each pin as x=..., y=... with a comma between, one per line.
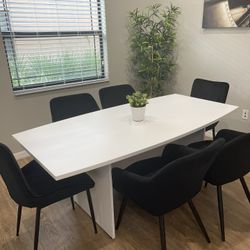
x=222, y=54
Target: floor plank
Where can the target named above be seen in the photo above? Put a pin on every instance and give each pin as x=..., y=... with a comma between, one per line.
x=63, y=228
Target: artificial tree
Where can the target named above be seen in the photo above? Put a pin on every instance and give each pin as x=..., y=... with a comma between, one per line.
x=152, y=43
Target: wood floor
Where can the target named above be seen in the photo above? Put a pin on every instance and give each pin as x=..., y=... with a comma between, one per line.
x=63, y=228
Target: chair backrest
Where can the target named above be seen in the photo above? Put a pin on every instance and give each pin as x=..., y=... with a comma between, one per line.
x=115, y=95
x=13, y=178
x=232, y=162
x=179, y=181
x=64, y=107
x=210, y=90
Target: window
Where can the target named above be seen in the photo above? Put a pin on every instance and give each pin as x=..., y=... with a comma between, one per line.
x=53, y=42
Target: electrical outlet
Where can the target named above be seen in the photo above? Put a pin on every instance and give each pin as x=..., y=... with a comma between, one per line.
x=245, y=114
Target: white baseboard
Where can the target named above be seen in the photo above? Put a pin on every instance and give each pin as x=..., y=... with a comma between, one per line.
x=21, y=155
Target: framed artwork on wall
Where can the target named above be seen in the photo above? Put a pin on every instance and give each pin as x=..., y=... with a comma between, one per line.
x=226, y=14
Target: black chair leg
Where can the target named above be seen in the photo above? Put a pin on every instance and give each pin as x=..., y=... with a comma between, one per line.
x=19, y=215
x=205, y=185
x=37, y=228
x=91, y=210
x=198, y=219
x=121, y=211
x=72, y=202
x=162, y=232
x=244, y=185
x=221, y=212
x=213, y=129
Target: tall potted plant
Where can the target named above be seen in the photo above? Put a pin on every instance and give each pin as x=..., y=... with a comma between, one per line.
x=152, y=44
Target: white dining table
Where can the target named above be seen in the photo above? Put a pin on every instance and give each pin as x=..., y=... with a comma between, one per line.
x=93, y=142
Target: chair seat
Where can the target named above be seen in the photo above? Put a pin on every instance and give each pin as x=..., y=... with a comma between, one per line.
x=200, y=144
x=47, y=191
x=149, y=167
x=143, y=168
x=226, y=134
x=146, y=167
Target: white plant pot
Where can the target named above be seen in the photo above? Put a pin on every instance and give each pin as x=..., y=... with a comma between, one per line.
x=138, y=114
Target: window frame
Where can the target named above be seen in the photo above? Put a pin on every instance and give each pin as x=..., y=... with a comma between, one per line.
x=66, y=83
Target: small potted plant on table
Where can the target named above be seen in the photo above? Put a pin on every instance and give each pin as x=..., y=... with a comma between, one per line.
x=138, y=102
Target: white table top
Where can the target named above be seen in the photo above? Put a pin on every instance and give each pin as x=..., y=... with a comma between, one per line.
x=96, y=139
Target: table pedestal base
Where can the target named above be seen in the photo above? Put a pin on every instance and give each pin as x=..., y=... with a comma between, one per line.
x=102, y=198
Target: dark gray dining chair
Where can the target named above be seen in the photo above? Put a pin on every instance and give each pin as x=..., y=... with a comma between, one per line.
x=230, y=164
x=162, y=184
x=33, y=187
x=212, y=91
x=64, y=107
x=115, y=95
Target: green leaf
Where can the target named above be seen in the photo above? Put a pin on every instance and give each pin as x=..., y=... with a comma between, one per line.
x=152, y=43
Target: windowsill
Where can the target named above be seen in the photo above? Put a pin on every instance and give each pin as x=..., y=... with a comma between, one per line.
x=57, y=87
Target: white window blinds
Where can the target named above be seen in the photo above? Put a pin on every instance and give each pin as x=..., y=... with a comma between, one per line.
x=50, y=42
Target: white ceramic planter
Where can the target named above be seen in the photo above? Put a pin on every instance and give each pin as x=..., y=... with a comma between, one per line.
x=138, y=114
